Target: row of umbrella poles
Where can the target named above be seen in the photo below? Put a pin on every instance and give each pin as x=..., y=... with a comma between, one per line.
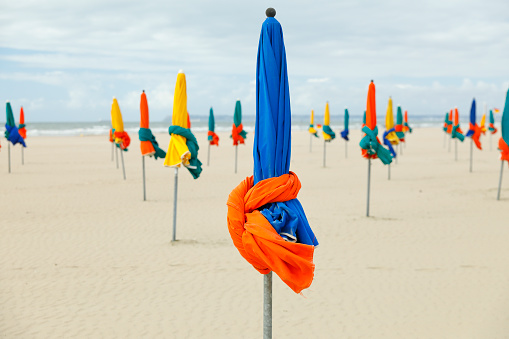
x=452, y=129
x=14, y=134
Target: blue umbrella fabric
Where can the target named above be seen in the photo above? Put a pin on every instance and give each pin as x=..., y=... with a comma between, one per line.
x=11, y=131
x=289, y=251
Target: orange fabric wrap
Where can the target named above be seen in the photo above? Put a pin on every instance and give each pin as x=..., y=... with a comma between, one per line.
x=237, y=138
x=255, y=238
x=476, y=135
x=147, y=148
x=125, y=139
x=494, y=129
x=112, y=139
x=504, y=150
x=143, y=111
x=215, y=138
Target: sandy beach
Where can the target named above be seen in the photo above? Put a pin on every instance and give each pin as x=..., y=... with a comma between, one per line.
x=83, y=256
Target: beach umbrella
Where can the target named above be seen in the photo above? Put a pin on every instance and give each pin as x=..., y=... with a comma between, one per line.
x=345, y=131
x=492, y=128
x=483, y=120
x=23, y=132
x=238, y=133
x=267, y=223
x=212, y=137
x=389, y=137
x=11, y=132
x=399, y=128
x=474, y=132
x=456, y=133
x=328, y=133
x=148, y=144
x=406, y=126
x=312, y=131
x=370, y=144
x=183, y=147
x=503, y=143
x=122, y=139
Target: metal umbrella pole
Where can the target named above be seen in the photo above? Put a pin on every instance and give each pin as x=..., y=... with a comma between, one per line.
x=389, y=174
x=208, y=155
x=369, y=184
x=9, y=155
x=174, y=238
x=500, y=180
x=122, y=157
x=22, y=156
x=324, y=147
x=236, y=151
x=116, y=154
x=456, y=149
x=471, y=153
x=112, y=150
x=144, y=189
x=267, y=306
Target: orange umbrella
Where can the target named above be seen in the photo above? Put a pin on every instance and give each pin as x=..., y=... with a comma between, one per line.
x=370, y=144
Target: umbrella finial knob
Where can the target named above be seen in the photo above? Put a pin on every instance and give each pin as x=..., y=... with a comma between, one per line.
x=270, y=12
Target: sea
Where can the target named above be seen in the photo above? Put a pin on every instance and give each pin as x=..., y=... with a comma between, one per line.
x=200, y=124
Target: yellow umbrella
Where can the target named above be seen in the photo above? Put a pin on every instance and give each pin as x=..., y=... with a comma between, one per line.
x=389, y=124
x=178, y=153
x=122, y=139
x=183, y=147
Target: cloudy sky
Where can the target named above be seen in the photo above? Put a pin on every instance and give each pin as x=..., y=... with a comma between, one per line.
x=65, y=60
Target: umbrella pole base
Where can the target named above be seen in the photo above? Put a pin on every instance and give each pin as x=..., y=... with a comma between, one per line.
x=123, y=167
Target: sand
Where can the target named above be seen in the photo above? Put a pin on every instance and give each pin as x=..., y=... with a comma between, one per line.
x=83, y=256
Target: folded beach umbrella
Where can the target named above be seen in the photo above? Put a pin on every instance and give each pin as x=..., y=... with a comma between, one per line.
x=492, y=127
x=122, y=140
x=483, y=124
x=406, y=126
x=456, y=132
x=23, y=132
x=265, y=220
x=328, y=133
x=474, y=131
x=370, y=144
x=21, y=128
x=238, y=133
x=212, y=137
x=345, y=131
x=183, y=147
x=11, y=132
x=148, y=144
x=399, y=125
x=389, y=128
x=449, y=123
x=446, y=122
x=311, y=128
x=503, y=143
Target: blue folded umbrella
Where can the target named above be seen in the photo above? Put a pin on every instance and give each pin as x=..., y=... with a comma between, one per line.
x=272, y=141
